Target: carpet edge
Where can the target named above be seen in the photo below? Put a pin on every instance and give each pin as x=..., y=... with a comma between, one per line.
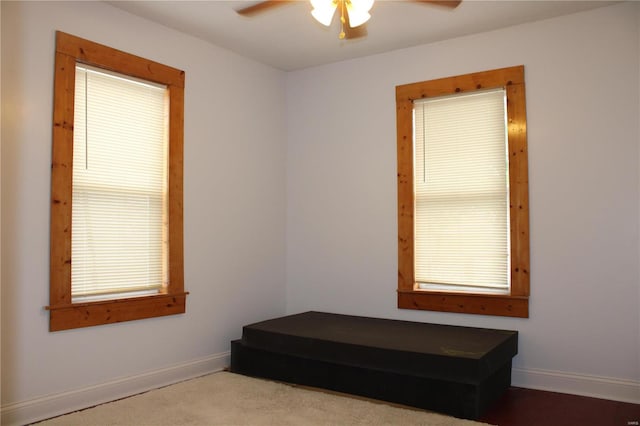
x=47, y=406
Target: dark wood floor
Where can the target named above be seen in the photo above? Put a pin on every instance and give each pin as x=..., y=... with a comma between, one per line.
x=527, y=407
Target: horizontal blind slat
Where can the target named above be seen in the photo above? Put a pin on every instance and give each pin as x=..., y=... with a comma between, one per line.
x=461, y=191
x=119, y=233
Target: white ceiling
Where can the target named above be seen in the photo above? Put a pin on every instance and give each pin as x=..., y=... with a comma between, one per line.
x=288, y=38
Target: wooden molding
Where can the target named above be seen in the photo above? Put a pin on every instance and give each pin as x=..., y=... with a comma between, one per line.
x=78, y=315
x=64, y=314
x=61, y=178
x=506, y=306
x=90, y=53
x=462, y=83
x=409, y=296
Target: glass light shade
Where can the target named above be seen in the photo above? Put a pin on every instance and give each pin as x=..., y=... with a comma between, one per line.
x=357, y=17
x=323, y=11
x=364, y=5
x=358, y=11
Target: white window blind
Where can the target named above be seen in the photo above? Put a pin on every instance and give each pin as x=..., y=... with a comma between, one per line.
x=461, y=193
x=119, y=204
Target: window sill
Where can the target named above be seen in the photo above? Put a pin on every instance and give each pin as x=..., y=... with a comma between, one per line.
x=88, y=314
x=483, y=304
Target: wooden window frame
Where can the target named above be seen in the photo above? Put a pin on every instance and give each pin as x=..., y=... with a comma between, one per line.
x=516, y=303
x=64, y=314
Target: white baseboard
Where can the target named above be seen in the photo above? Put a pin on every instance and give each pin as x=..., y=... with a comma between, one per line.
x=577, y=384
x=45, y=407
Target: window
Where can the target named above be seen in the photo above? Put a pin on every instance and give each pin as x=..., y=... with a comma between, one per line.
x=463, y=217
x=116, y=212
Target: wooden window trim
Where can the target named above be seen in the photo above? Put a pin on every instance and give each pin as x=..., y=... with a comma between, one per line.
x=63, y=313
x=515, y=304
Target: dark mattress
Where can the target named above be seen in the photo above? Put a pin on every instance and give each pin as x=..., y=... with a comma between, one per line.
x=463, y=354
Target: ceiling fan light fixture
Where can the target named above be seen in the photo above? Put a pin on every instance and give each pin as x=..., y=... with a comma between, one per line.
x=323, y=11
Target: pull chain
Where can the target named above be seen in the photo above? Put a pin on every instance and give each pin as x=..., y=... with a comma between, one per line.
x=342, y=34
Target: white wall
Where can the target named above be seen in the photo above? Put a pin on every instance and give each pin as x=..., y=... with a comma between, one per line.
x=638, y=15
x=582, y=74
x=233, y=170
x=638, y=23
x=0, y=218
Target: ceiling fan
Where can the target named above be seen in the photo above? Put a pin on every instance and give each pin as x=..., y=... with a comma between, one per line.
x=353, y=13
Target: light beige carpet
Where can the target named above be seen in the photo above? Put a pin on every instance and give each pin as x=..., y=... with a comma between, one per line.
x=232, y=399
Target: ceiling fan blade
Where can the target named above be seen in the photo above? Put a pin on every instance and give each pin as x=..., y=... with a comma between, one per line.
x=450, y=4
x=262, y=7
x=356, y=32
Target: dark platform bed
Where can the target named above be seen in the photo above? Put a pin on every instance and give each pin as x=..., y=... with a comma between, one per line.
x=455, y=370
